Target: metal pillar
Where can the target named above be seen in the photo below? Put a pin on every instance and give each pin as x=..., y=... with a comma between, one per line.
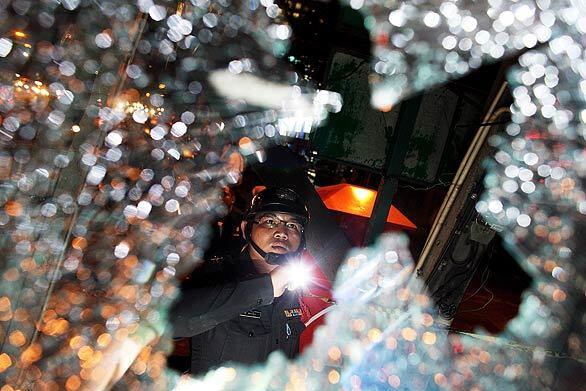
x=394, y=166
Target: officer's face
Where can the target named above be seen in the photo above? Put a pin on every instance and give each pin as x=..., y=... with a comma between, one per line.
x=277, y=232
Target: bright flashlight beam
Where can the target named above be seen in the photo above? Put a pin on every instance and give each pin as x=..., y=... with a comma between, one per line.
x=300, y=275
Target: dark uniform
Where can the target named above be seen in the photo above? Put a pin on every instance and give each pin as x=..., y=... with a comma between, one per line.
x=231, y=315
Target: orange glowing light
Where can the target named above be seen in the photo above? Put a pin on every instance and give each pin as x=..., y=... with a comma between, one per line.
x=484, y=357
x=427, y=320
x=85, y=353
x=13, y=208
x=139, y=367
x=403, y=294
x=73, y=383
x=334, y=353
x=333, y=376
x=4, y=317
x=559, y=295
x=76, y=342
x=549, y=265
x=85, y=373
x=128, y=292
x=374, y=335
x=17, y=338
x=5, y=362
x=104, y=340
x=409, y=334
x=56, y=327
x=244, y=142
x=4, y=304
x=19, y=34
x=358, y=201
x=11, y=274
x=28, y=264
x=363, y=195
x=79, y=243
x=429, y=338
x=31, y=354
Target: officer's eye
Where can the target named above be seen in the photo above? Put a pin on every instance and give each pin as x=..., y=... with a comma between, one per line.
x=294, y=226
x=269, y=222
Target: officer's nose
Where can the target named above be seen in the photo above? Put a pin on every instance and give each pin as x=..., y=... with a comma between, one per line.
x=280, y=232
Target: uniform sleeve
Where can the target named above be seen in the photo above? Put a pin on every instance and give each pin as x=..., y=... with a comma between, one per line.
x=201, y=309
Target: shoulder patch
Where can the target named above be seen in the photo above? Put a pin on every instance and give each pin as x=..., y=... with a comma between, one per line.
x=292, y=312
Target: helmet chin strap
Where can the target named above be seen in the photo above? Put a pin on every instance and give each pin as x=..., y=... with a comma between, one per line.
x=256, y=248
x=273, y=258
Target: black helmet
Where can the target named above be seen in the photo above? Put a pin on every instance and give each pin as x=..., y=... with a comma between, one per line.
x=278, y=199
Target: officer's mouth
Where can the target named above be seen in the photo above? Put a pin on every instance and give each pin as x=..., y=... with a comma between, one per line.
x=279, y=247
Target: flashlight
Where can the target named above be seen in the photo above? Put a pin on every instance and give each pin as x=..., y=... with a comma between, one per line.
x=300, y=275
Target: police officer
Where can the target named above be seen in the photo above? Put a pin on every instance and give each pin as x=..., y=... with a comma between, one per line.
x=240, y=309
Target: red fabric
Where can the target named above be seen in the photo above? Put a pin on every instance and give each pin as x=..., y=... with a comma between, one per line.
x=310, y=306
x=181, y=347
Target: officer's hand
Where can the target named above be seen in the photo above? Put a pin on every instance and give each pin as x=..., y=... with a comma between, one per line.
x=280, y=280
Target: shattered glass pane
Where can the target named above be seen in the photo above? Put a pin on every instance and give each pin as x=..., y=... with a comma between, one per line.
x=120, y=121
